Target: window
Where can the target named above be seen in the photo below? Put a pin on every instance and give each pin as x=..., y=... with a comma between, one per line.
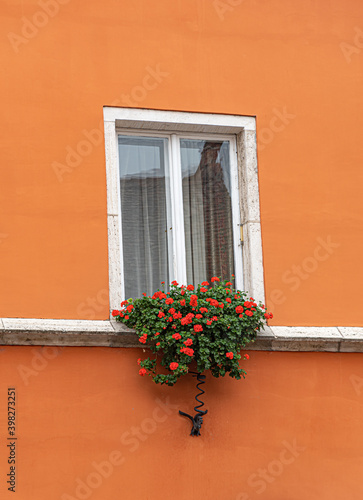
x=178, y=200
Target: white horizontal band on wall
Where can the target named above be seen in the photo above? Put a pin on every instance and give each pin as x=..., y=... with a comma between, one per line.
x=109, y=333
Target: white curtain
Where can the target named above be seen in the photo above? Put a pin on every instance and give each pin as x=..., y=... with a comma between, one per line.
x=143, y=171
x=207, y=209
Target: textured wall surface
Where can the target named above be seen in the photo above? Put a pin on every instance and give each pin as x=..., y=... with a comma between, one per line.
x=89, y=427
x=296, y=66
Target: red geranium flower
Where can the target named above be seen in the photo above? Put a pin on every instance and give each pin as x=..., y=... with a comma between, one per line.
x=161, y=314
x=249, y=313
x=202, y=289
x=176, y=336
x=239, y=309
x=175, y=283
x=188, y=342
x=193, y=300
x=247, y=356
x=187, y=351
x=228, y=300
x=214, y=279
x=190, y=288
x=205, y=283
x=228, y=283
x=229, y=355
x=143, y=338
x=203, y=310
x=171, y=310
x=139, y=361
x=142, y=372
x=173, y=366
x=198, y=328
x=130, y=308
x=169, y=301
x=199, y=316
x=115, y=312
x=182, y=302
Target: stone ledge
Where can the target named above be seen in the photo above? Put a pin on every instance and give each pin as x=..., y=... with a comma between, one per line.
x=22, y=331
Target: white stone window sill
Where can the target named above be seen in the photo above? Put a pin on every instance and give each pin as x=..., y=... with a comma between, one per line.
x=24, y=331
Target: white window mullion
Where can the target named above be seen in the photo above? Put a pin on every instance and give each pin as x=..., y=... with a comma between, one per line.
x=179, y=263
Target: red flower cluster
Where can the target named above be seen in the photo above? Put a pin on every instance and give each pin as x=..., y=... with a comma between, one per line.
x=268, y=315
x=182, y=302
x=202, y=289
x=213, y=302
x=239, y=309
x=193, y=300
x=188, y=342
x=175, y=283
x=188, y=319
x=249, y=312
x=198, y=328
x=214, y=279
x=246, y=356
x=115, y=313
x=169, y=301
x=159, y=295
x=161, y=314
x=187, y=350
x=176, y=336
x=229, y=355
x=190, y=288
x=205, y=283
x=143, y=338
x=142, y=372
x=173, y=366
x=203, y=310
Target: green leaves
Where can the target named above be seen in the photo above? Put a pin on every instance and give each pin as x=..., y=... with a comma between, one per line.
x=211, y=321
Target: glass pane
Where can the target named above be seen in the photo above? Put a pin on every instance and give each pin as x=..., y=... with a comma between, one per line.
x=143, y=179
x=207, y=209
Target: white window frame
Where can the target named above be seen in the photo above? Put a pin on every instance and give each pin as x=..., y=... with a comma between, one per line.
x=241, y=132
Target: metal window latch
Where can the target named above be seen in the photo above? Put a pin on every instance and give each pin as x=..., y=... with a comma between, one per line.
x=241, y=233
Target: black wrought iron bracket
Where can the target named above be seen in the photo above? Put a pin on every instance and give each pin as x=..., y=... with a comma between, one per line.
x=197, y=420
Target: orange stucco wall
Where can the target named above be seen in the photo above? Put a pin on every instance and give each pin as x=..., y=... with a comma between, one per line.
x=301, y=61
x=297, y=67
x=292, y=430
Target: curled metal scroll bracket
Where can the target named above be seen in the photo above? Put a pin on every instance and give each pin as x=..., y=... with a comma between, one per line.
x=197, y=420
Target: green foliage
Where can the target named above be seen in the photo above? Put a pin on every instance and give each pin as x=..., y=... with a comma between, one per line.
x=208, y=324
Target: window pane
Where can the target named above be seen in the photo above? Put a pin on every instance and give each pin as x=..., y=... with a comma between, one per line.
x=144, y=214
x=207, y=209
